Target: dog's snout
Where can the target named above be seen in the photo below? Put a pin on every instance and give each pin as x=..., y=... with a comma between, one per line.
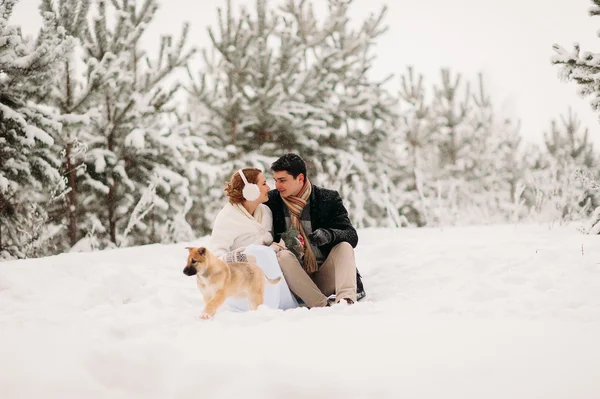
x=189, y=271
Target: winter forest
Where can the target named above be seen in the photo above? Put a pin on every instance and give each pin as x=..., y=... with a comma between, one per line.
x=104, y=145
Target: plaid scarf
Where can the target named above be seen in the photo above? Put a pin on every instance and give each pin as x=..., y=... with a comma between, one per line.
x=295, y=205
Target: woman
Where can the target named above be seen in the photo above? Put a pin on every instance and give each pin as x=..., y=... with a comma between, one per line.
x=242, y=232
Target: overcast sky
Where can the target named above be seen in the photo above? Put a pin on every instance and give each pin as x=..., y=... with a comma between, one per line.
x=510, y=41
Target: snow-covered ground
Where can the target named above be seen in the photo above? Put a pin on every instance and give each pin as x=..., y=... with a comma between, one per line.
x=470, y=312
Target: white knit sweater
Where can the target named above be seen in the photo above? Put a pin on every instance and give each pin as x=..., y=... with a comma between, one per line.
x=234, y=228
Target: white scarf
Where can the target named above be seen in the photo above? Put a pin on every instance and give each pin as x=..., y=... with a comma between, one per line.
x=257, y=218
x=258, y=213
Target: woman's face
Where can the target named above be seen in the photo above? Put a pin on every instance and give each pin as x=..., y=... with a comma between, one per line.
x=264, y=188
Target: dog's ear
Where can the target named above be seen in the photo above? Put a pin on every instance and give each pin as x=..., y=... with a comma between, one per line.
x=189, y=248
x=201, y=251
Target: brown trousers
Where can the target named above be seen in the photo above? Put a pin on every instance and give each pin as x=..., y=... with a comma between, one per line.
x=336, y=276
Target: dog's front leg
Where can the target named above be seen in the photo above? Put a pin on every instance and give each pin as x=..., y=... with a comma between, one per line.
x=207, y=298
x=211, y=306
x=206, y=294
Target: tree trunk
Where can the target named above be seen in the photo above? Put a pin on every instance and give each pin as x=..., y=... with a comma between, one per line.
x=72, y=196
x=453, y=150
x=111, y=214
x=70, y=167
x=233, y=129
x=113, y=184
x=414, y=156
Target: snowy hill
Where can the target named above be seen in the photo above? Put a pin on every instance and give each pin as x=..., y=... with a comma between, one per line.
x=471, y=312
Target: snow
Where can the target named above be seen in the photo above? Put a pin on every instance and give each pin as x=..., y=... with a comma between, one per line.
x=506, y=311
x=73, y=119
x=4, y=183
x=100, y=164
x=33, y=133
x=136, y=139
x=97, y=185
x=8, y=113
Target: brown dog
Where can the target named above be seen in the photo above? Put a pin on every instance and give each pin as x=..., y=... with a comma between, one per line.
x=218, y=280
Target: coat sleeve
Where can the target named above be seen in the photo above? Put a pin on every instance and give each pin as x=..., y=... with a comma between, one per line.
x=221, y=238
x=340, y=224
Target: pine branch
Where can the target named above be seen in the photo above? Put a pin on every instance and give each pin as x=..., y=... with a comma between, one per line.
x=292, y=243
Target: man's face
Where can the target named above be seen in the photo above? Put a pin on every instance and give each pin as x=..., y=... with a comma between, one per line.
x=286, y=184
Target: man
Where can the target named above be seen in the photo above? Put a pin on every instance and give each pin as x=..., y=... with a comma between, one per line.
x=328, y=266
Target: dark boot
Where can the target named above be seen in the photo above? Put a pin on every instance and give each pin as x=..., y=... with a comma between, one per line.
x=360, y=289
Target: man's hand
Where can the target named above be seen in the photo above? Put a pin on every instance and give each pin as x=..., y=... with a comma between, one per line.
x=320, y=237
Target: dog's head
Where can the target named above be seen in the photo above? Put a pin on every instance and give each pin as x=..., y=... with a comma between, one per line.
x=196, y=259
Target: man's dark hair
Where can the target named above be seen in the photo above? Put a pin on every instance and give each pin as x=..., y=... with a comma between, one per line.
x=291, y=163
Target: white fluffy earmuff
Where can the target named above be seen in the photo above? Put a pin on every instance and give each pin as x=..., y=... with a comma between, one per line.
x=251, y=192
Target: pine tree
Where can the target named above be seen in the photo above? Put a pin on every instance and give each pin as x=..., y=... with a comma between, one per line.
x=488, y=144
x=29, y=175
x=451, y=105
x=76, y=87
x=444, y=184
x=507, y=163
x=571, y=155
x=493, y=174
x=117, y=108
x=581, y=67
x=415, y=118
x=566, y=142
x=416, y=126
x=279, y=81
x=225, y=106
x=475, y=176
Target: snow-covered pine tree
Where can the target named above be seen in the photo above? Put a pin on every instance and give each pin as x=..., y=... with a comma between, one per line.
x=490, y=147
x=570, y=155
x=132, y=145
x=490, y=154
x=76, y=88
x=506, y=167
x=356, y=115
x=416, y=126
x=415, y=120
x=482, y=121
x=591, y=183
x=567, y=143
x=144, y=147
x=225, y=131
x=279, y=81
x=451, y=110
x=472, y=179
x=29, y=176
x=581, y=67
x=451, y=106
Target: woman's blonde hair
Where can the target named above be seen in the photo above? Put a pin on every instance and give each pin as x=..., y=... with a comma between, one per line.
x=234, y=187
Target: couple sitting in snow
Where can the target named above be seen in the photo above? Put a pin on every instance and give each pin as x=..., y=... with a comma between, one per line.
x=303, y=232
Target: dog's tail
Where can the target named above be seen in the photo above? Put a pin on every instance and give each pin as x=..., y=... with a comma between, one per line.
x=273, y=280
